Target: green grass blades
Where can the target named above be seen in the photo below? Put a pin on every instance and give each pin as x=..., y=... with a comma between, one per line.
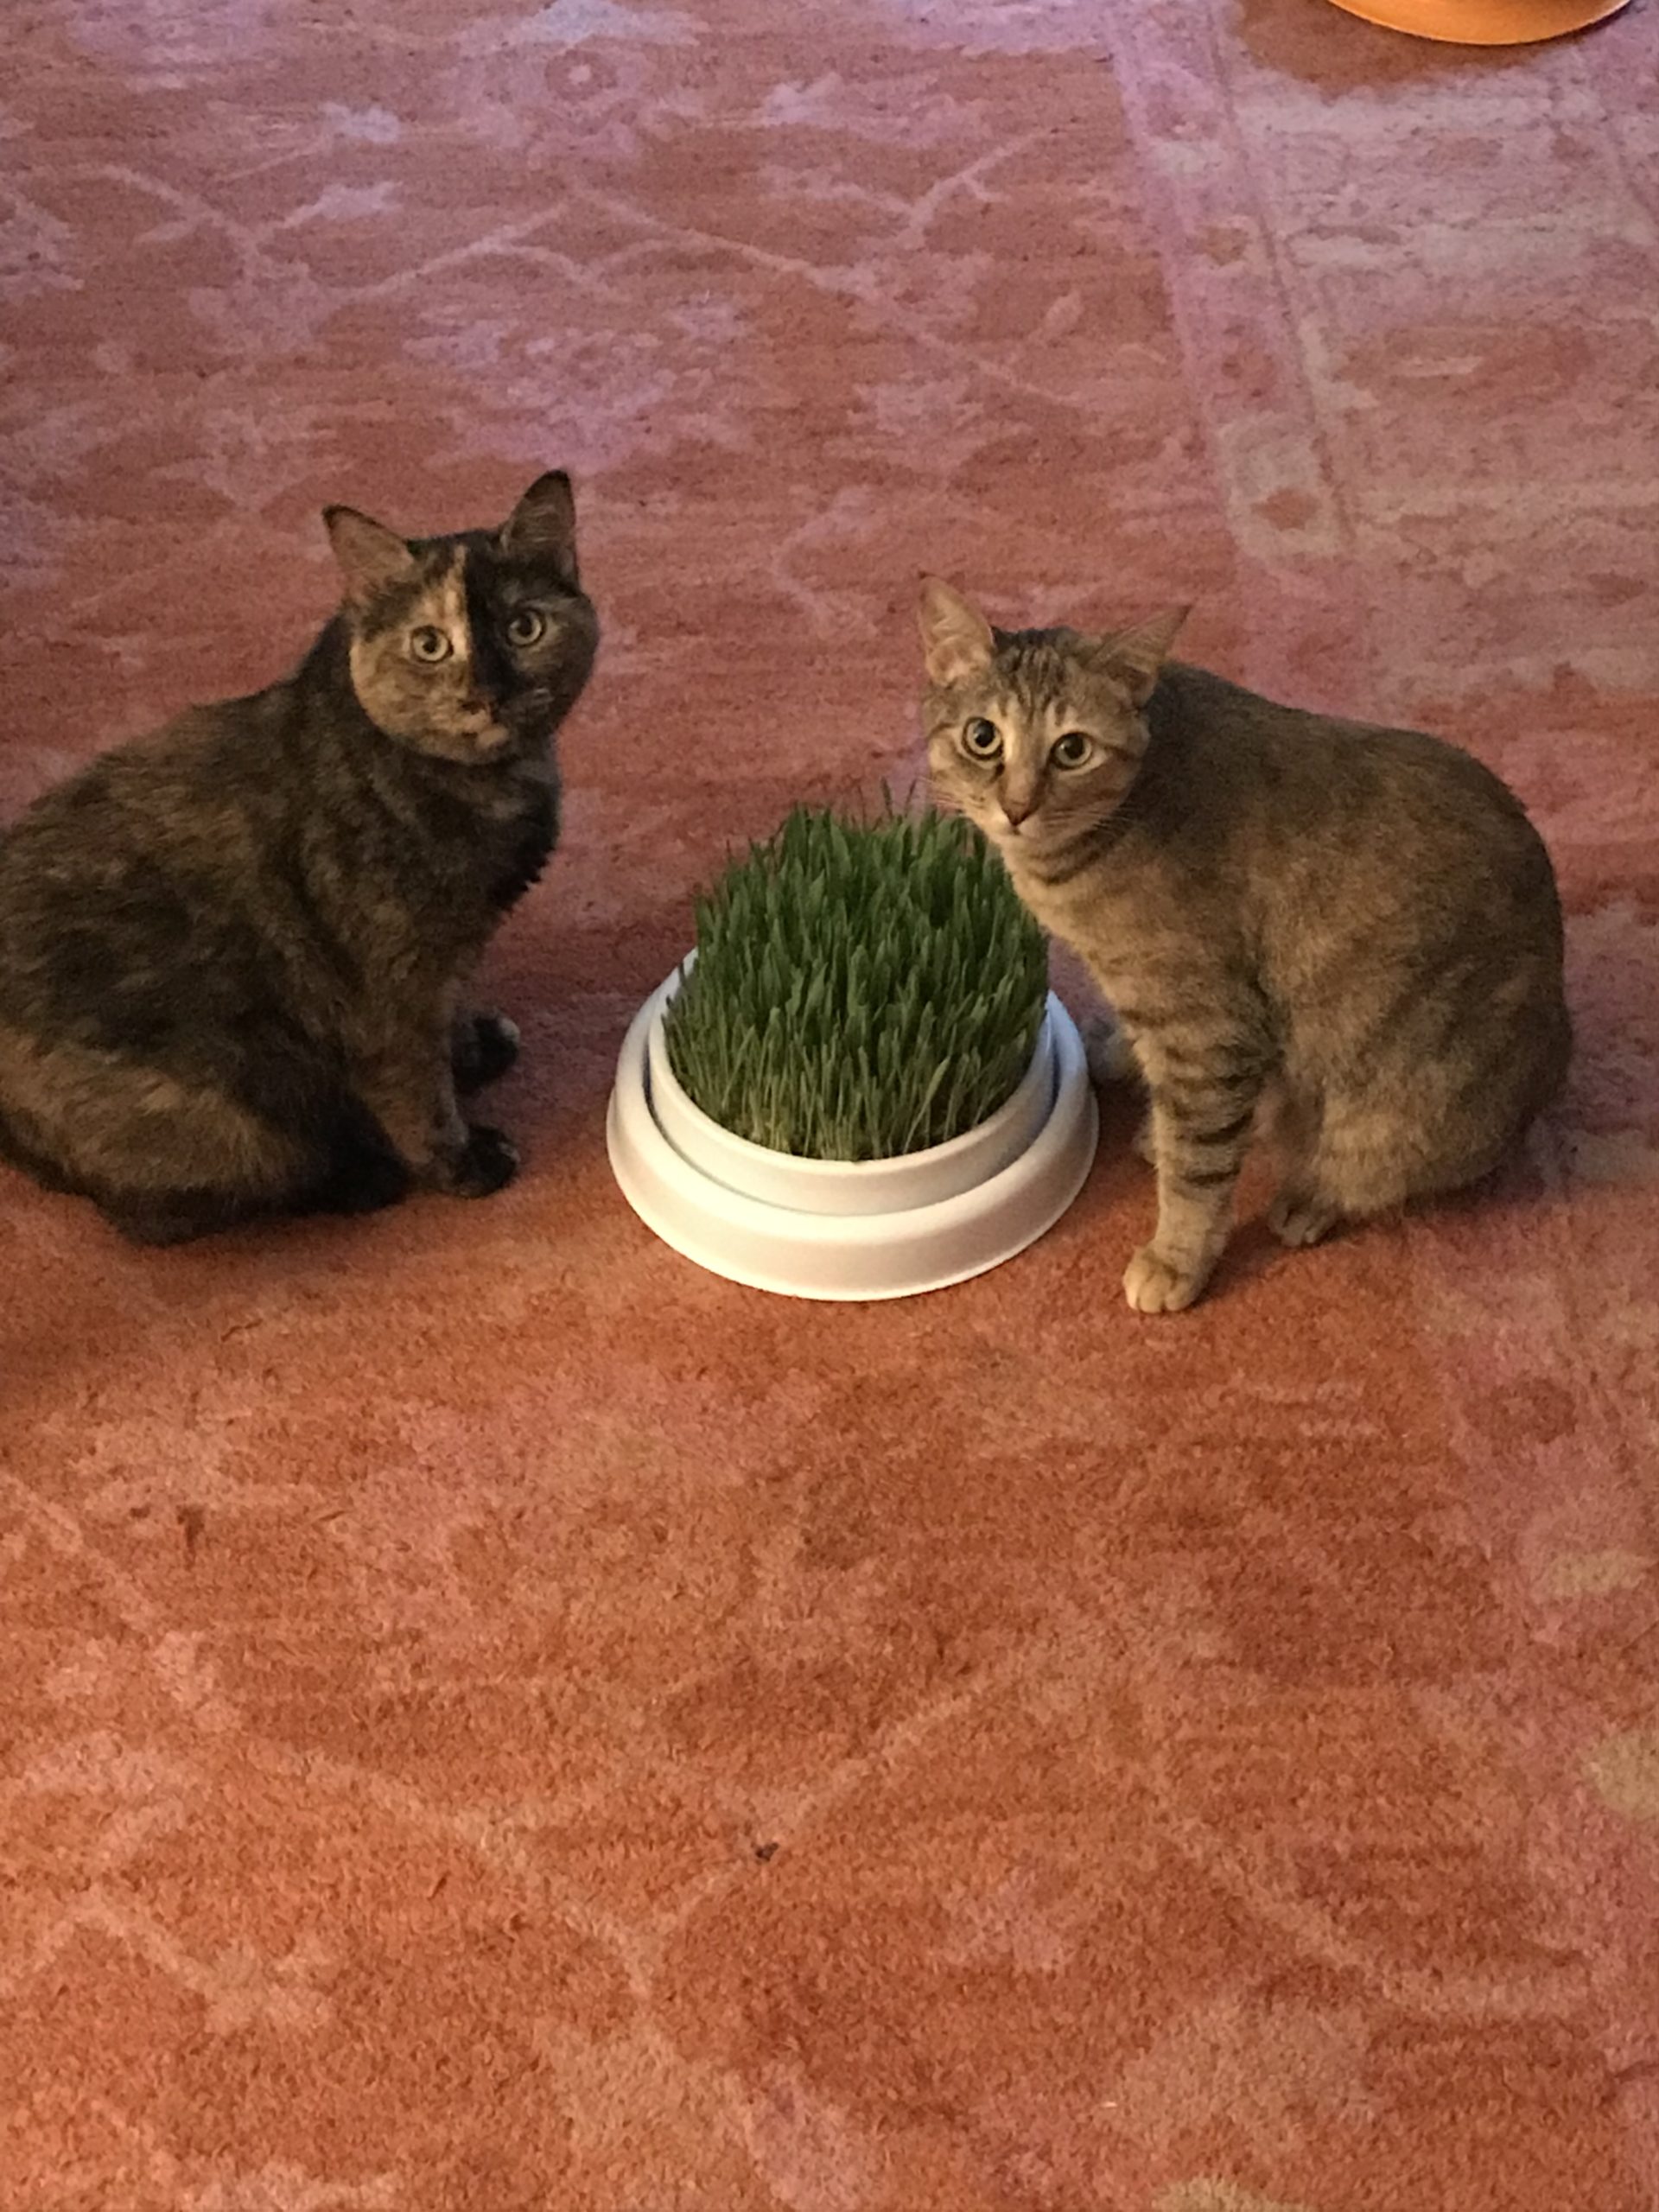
x=860, y=988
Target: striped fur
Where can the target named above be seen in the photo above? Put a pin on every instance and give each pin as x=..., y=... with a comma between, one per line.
x=1345, y=938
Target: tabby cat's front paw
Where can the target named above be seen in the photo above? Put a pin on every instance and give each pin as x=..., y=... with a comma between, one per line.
x=1108, y=1050
x=1152, y=1285
x=487, y=1164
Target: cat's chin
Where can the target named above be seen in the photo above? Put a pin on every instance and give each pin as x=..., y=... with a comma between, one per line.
x=482, y=748
x=485, y=744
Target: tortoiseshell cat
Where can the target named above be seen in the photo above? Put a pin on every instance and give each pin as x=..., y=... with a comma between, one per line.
x=230, y=952
x=1355, y=930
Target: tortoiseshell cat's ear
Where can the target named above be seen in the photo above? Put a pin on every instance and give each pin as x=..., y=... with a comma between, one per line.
x=956, y=640
x=1135, y=657
x=371, y=556
x=543, y=526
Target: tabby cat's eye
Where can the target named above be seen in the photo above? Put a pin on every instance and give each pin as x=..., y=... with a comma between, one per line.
x=1072, y=750
x=981, y=739
x=527, y=627
x=429, y=644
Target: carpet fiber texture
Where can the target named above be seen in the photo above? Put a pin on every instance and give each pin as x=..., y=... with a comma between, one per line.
x=492, y=1719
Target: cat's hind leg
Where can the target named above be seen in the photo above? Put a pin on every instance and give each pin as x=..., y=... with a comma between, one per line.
x=1370, y=1158
x=1372, y=1161
x=283, y=1176
x=1299, y=1218
x=1413, y=1132
x=154, y=1220
x=348, y=1168
x=166, y=1158
x=1303, y=1209
x=1431, y=1117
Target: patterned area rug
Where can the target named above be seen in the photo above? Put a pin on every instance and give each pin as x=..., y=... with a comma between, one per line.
x=495, y=1721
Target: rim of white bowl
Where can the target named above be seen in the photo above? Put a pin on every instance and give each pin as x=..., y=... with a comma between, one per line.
x=859, y=1258
x=901, y=1180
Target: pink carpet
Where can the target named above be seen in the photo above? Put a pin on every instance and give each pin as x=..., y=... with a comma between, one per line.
x=495, y=1721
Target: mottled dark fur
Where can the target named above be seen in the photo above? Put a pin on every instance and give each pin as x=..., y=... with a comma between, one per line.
x=1347, y=937
x=229, y=953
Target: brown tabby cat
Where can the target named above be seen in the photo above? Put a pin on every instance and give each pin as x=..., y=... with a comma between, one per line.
x=1354, y=929
x=229, y=953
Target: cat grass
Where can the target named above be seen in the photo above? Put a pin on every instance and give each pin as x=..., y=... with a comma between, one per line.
x=861, y=988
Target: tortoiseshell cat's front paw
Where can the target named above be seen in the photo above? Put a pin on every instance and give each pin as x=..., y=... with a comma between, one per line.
x=484, y=1046
x=1153, y=1284
x=486, y=1163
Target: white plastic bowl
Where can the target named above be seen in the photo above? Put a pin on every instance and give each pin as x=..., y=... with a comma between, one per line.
x=850, y=1229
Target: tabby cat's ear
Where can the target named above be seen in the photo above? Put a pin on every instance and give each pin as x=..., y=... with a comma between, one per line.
x=1137, y=656
x=543, y=526
x=371, y=556
x=956, y=640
